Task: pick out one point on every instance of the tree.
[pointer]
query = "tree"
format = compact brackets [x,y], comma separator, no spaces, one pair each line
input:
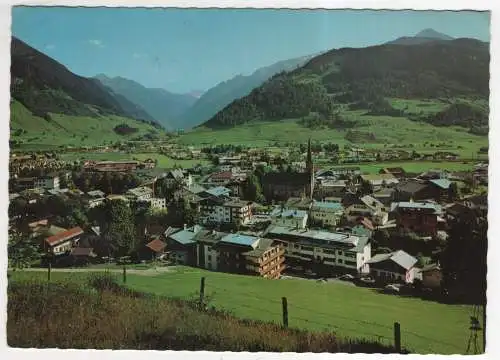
[464,261]
[366,188]
[21,251]
[118,227]
[252,190]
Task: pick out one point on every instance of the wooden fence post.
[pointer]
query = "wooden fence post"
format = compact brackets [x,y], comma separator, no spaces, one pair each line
[49,270]
[285,311]
[202,291]
[397,337]
[124,274]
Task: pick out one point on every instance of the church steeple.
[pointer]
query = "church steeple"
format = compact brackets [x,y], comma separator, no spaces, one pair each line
[309,162]
[310,170]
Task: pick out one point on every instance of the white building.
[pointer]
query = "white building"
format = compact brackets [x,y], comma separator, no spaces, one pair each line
[142,193]
[158,203]
[326,213]
[222,211]
[335,250]
[397,266]
[49,182]
[289,218]
[369,207]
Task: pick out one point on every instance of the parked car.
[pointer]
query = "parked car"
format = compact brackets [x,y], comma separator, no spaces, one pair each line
[392,288]
[346,277]
[366,280]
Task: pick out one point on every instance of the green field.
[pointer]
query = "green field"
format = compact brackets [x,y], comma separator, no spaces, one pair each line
[163,160]
[413,166]
[426,327]
[388,130]
[69,130]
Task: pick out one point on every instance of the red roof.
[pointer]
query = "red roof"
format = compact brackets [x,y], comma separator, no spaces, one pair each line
[156,245]
[63,236]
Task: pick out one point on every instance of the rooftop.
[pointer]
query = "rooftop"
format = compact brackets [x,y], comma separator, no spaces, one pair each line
[218,191]
[400,257]
[315,234]
[140,191]
[416,205]
[327,205]
[187,236]
[278,212]
[442,183]
[239,239]
[156,245]
[63,236]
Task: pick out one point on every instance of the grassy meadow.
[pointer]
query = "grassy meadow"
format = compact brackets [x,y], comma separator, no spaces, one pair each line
[69,130]
[349,311]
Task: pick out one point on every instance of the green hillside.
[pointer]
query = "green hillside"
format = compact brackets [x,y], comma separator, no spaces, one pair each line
[31,131]
[370,80]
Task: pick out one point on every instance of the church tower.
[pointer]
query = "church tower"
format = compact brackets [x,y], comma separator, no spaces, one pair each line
[310,170]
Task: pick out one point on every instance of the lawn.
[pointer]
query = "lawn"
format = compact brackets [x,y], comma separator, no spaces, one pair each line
[426,327]
[400,131]
[413,166]
[70,130]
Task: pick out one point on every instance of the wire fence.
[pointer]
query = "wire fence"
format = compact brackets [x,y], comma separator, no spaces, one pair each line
[302,317]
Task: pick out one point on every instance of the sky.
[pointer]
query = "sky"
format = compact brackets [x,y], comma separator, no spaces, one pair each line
[182,50]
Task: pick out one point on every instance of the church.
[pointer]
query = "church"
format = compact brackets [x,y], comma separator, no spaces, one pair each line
[281,186]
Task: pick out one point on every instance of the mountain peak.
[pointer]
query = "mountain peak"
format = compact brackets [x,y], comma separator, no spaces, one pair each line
[433,34]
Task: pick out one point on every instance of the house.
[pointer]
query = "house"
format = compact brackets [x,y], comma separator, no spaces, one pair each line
[245,254]
[282,186]
[82,255]
[140,194]
[48,182]
[397,266]
[176,177]
[326,213]
[115,166]
[94,198]
[479,202]
[367,206]
[219,178]
[378,181]
[207,256]
[418,217]
[397,172]
[63,241]
[181,244]
[386,196]
[433,174]
[156,248]
[289,217]
[432,276]
[415,190]
[327,252]
[216,210]
[440,189]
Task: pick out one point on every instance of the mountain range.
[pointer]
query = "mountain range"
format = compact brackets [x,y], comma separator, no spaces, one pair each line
[430,65]
[363,78]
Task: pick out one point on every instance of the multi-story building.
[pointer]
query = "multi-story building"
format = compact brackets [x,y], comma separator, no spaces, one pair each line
[326,213]
[421,218]
[239,254]
[327,252]
[142,193]
[289,217]
[181,244]
[48,182]
[215,210]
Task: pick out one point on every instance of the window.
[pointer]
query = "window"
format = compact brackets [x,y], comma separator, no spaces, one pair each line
[209,257]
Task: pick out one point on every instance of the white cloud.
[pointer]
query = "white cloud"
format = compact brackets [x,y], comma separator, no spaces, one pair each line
[97,43]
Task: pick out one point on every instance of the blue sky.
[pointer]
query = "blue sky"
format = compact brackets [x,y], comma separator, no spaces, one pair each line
[183,50]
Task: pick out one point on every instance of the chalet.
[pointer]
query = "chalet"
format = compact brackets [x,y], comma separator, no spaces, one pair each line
[414,189]
[142,193]
[397,266]
[176,177]
[289,217]
[322,250]
[479,202]
[440,189]
[63,241]
[156,248]
[367,206]
[181,244]
[421,218]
